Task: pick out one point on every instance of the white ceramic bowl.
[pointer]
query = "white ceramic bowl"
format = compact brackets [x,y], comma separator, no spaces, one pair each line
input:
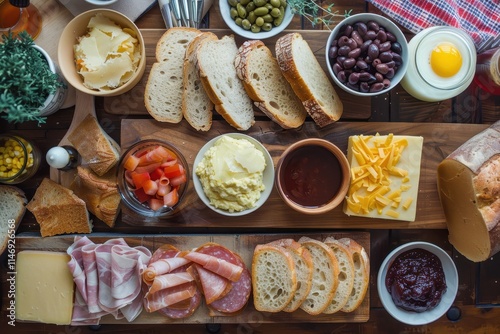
[101,2]
[226,16]
[426,317]
[389,26]
[268,175]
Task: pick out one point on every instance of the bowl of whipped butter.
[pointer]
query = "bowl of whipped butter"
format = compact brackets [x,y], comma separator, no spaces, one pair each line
[233,174]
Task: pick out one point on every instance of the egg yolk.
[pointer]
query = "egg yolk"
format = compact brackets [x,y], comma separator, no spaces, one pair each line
[446,60]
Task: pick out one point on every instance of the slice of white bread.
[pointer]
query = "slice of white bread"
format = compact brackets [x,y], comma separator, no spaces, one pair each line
[274,279]
[308,79]
[266,85]
[12,208]
[163,92]
[58,210]
[346,275]
[325,276]
[196,105]
[224,88]
[304,270]
[362,274]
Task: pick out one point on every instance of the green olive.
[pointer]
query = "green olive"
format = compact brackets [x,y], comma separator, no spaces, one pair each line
[269,6]
[242,12]
[250,7]
[275,3]
[259,21]
[267,26]
[283,3]
[279,19]
[232,3]
[251,17]
[234,13]
[275,12]
[261,11]
[268,18]
[244,2]
[259,3]
[245,24]
[238,21]
[255,28]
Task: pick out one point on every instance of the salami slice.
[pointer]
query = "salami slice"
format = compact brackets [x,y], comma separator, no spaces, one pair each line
[239,294]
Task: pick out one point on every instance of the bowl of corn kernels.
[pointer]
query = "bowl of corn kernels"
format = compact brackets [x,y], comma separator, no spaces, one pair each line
[19,159]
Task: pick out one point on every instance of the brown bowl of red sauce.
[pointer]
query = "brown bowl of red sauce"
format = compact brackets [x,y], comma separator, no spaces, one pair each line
[312,176]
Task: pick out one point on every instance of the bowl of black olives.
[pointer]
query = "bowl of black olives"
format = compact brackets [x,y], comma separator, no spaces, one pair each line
[256,19]
[366,54]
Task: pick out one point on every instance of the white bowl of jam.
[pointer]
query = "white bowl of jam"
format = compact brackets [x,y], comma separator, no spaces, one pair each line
[417,283]
[312,176]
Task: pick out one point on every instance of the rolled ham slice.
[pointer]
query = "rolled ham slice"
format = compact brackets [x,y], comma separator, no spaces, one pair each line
[166,281]
[168,297]
[162,266]
[214,286]
[217,265]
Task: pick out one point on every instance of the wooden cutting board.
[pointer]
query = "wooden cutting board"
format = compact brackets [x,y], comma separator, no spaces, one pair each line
[439,141]
[243,244]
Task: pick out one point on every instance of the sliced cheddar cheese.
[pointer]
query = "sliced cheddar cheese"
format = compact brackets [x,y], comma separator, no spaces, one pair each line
[385,172]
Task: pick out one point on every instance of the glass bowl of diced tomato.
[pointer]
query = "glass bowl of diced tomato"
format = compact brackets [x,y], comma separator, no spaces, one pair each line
[153,177]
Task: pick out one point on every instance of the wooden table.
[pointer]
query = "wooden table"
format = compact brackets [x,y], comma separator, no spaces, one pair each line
[479,292]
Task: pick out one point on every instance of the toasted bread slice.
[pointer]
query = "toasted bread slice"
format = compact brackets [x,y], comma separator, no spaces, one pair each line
[325,276]
[274,279]
[224,88]
[362,274]
[308,80]
[12,208]
[266,85]
[346,275]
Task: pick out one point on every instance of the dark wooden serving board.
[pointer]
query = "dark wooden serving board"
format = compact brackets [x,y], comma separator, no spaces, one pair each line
[439,141]
[243,244]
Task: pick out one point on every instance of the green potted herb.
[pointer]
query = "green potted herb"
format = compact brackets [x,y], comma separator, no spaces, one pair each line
[30,87]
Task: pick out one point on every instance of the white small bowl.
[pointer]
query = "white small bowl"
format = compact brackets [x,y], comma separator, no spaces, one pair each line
[426,317]
[226,16]
[268,175]
[101,2]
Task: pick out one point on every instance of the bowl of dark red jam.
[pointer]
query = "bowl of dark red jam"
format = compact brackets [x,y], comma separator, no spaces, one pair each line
[312,176]
[417,283]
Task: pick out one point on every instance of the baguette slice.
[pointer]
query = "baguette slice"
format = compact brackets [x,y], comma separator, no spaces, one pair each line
[325,276]
[308,80]
[163,92]
[303,267]
[12,208]
[266,85]
[196,105]
[274,279]
[361,274]
[346,275]
[224,88]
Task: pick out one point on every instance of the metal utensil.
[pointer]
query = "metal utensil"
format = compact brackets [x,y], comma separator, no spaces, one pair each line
[185,15]
[166,13]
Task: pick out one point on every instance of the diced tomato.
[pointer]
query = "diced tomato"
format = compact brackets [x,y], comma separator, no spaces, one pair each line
[156,174]
[158,154]
[131,163]
[173,171]
[148,168]
[177,181]
[150,187]
[169,163]
[155,204]
[171,198]
[141,195]
[139,179]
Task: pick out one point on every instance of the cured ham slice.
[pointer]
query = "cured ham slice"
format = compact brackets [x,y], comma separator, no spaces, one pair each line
[168,297]
[162,266]
[169,280]
[213,285]
[217,265]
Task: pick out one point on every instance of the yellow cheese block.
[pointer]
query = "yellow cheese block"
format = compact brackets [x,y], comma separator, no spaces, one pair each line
[385,172]
[44,287]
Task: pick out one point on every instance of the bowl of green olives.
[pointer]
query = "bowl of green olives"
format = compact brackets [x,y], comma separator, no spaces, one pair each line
[256,19]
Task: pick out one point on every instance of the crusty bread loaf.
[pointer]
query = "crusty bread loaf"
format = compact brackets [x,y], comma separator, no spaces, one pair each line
[12,208]
[266,85]
[346,275]
[361,274]
[224,88]
[325,276]
[469,189]
[303,268]
[274,279]
[97,149]
[58,210]
[163,92]
[308,80]
[196,105]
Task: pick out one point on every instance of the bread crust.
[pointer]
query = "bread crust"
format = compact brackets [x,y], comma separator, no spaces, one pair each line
[12,208]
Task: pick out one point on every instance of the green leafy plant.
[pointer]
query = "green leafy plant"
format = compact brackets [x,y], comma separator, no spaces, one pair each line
[25,79]
[315,13]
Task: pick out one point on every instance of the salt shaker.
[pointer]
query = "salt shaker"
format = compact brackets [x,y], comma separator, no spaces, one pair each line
[63,157]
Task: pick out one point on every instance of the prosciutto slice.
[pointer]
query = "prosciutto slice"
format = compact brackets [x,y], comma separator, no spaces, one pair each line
[169,280]
[162,266]
[217,265]
[213,285]
[169,297]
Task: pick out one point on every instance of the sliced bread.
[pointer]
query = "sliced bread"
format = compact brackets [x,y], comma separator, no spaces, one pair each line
[163,92]
[304,270]
[308,79]
[224,88]
[346,275]
[266,85]
[274,279]
[12,208]
[325,276]
[196,105]
[361,276]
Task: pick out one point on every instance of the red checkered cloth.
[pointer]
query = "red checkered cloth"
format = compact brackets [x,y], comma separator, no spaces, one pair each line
[479,18]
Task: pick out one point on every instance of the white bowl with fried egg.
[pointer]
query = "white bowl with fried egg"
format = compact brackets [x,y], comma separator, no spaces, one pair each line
[441,65]
[106,67]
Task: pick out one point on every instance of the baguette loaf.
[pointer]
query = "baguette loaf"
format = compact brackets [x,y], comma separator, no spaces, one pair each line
[163,92]
[308,80]
[266,85]
[196,105]
[274,279]
[12,208]
[361,274]
[325,276]
[469,189]
[224,88]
